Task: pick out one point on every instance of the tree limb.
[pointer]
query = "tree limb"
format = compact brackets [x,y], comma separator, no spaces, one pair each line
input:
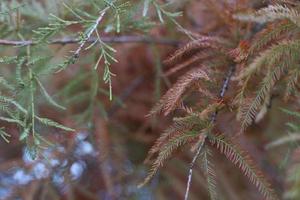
[106,39]
[212,120]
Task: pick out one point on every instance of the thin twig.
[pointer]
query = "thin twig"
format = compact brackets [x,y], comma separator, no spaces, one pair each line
[212,120]
[89,34]
[199,148]
[90,39]
[224,89]
[106,39]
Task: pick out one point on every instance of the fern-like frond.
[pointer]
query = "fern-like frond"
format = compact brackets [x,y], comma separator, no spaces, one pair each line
[277,59]
[269,34]
[271,57]
[195,58]
[210,173]
[9,100]
[292,80]
[241,159]
[264,108]
[203,42]
[173,131]
[272,13]
[166,151]
[179,127]
[42,34]
[49,122]
[47,95]
[250,109]
[12,120]
[173,96]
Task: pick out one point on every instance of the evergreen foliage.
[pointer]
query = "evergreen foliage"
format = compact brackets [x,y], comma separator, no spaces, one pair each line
[261,57]
[30,70]
[236,71]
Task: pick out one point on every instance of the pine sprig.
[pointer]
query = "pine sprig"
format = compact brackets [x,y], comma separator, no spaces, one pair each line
[249,109]
[13,102]
[271,57]
[292,81]
[49,122]
[209,171]
[172,98]
[272,13]
[179,127]
[166,151]
[270,33]
[43,34]
[202,42]
[47,96]
[241,159]
[276,64]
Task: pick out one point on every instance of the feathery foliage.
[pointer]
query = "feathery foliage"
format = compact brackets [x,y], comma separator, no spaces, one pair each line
[275,61]
[271,13]
[172,98]
[210,173]
[269,57]
[177,135]
[243,161]
[231,67]
[25,87]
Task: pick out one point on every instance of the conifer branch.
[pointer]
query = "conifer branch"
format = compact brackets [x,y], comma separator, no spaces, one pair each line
[271,13]
[199,148]
[213,119]
[209,171]
[90,32]
[172,98]
[105,39]
[243,160]
[273,60]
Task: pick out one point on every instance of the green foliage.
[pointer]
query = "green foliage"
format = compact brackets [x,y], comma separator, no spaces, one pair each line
[209,170]
[290,139]
[47,96]
[29,69]
[31,66]
[293,135]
